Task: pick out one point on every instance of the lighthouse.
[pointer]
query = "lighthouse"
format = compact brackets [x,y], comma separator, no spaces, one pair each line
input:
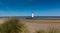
[32,14]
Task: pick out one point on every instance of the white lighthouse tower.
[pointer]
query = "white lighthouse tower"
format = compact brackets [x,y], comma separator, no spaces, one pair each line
[32,14]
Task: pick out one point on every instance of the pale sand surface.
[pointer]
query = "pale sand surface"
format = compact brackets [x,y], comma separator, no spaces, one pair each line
[36,24]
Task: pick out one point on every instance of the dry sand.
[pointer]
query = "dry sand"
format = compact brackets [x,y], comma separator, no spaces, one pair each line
[36,24]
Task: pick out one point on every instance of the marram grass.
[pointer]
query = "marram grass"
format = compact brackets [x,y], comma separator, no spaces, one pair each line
[50,30]
[12,25]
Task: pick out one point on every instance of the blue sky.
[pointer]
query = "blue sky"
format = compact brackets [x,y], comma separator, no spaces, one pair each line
[25,7]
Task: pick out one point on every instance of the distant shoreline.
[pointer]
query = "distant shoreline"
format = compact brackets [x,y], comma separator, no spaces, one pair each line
[30,16]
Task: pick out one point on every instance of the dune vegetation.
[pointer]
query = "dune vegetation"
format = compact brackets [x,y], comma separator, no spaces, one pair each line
[14,25]
[50,30]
